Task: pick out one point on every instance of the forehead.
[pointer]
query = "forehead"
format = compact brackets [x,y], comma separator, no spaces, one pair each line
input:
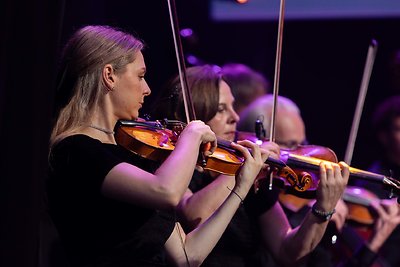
[138,62]
[290,126]
[225,93]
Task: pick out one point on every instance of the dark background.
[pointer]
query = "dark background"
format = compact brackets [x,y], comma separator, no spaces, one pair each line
[322,66]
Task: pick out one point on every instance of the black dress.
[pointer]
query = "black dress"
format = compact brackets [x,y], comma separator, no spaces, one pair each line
[240,244]
[96,230]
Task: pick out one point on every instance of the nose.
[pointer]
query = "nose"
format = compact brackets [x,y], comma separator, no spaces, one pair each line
[146,90]
[234,116]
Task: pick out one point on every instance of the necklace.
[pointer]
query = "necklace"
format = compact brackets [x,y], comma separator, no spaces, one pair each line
[101,129]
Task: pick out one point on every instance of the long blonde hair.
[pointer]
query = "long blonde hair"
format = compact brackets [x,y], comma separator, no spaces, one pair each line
[80,85]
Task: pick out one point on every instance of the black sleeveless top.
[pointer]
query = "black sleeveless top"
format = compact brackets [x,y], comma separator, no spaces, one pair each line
[95,230]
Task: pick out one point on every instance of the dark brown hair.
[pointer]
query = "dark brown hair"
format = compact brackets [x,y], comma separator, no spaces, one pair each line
[203,82]
[246,84]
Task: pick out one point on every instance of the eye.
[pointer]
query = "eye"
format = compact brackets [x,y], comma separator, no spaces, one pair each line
[141,75]
[221,108]
[288,144]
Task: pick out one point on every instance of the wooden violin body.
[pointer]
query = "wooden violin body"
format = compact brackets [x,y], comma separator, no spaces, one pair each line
[147,140]
[358,202]
[154,141]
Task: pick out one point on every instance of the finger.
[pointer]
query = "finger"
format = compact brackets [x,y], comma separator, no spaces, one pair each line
[345,171]
[265,154]
[379,209]
[390,206]
[210,144]
[213,145]
[273,148]
[206,147]
[255,149]
[248,143]
[337,172]
[341,222]
[243,150]
[322,173]
[329,170]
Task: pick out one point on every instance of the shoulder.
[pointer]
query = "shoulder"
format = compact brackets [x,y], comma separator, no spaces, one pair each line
[81,150]
[79,145]
[76,140]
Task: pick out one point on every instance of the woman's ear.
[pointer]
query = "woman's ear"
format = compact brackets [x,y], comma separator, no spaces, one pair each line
[108,76]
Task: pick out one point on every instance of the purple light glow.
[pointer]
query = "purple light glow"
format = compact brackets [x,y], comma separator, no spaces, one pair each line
[186,32]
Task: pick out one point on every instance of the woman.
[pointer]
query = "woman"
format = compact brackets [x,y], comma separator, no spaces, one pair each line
[260,223]
[110,207]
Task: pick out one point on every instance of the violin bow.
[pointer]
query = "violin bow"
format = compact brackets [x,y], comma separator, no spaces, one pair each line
[187,97]
[276,77]
[369,63]
[180,58]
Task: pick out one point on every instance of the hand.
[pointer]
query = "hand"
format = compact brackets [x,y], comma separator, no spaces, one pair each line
[272,149]
[339,217]
[254,161]
[333,180]
[388,211]
[207,137]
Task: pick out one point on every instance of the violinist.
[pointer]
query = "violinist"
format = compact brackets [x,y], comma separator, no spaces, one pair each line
[290,133]
[110,206]
[260,224]
[386,127]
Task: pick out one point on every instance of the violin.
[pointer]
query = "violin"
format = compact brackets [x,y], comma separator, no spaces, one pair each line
[156,140]
[305,161]
[358,202]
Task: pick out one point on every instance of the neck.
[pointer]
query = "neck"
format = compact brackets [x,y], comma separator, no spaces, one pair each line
[101,129]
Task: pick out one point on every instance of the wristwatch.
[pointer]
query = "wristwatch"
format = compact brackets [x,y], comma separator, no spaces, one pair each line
[323,215]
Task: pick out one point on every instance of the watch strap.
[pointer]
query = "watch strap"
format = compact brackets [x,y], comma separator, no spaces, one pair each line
[323,215]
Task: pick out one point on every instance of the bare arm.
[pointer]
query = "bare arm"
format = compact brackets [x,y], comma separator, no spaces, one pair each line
[290,245]
[199,243]
[166,186]
[194,209]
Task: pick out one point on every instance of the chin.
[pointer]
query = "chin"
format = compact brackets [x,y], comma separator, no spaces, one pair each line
[134,116]
[229,137]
